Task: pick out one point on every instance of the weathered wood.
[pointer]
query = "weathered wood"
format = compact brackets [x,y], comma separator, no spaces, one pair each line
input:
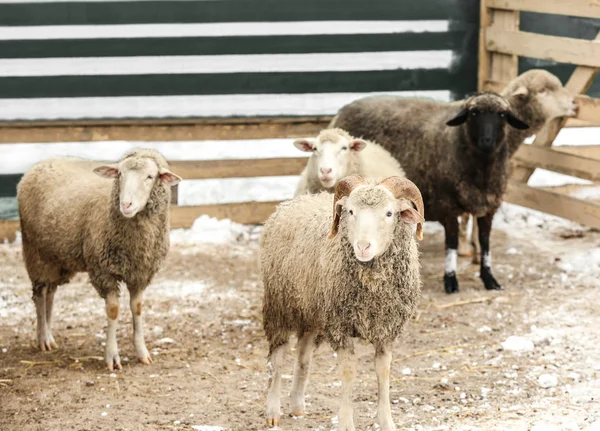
[203,169]
[161,130]
[483,72]
[586,213]
[582,8]
[591,192]
[588,151]
[579,83]
[175,194]
[556,161]
[554,48]
[245,213]
[504,67]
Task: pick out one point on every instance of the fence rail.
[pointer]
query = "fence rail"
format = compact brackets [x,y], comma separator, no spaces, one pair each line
[500,46]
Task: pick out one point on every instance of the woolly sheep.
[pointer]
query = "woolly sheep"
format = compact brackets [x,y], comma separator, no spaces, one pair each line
[336,154]
[464,167]
[72,220]
[363,281]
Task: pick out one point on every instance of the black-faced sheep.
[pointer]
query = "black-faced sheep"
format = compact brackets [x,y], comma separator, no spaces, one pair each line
[463,168]
[336,154]
[363,281]
[72,220]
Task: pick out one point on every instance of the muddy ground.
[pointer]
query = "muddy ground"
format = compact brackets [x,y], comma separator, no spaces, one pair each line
[203,320]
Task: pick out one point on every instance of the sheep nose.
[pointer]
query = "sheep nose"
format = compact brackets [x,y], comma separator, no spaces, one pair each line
[126,205]
[363,246]
[325,171]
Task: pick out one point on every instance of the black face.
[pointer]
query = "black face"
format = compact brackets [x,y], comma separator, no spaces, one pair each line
[486,129]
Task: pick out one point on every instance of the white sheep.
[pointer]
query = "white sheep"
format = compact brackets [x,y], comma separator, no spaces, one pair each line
[72,220]
[361,281]
[336,154]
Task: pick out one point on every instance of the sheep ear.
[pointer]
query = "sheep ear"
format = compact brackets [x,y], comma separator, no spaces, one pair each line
[168,177]
[459,119]
[515,122]
[521,92]
[107,171]
[358,145]
[411,215]
[303,145]
[337,214]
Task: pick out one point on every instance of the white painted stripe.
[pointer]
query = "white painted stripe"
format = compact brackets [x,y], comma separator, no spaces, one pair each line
[451,259]
[18,158]
[220,29]
[335,62]
[189,106]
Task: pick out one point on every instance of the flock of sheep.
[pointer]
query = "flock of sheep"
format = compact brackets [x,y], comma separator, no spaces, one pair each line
[338,261]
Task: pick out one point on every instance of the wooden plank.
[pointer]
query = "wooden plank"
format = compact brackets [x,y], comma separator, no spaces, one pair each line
[281,44]
[588,151]
[554,48]
[589,192]
[162,130]
[504,67]
[209,11]
[564,163]
[579,83]
[226,83]
[483,72]
[586,213]
[583,8]
[205,169]
[245,213]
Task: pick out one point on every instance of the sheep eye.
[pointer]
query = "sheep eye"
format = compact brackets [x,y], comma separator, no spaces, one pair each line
[351,212]
[389,214]
[344,148]
[150,177]
[473,112]
[503,115]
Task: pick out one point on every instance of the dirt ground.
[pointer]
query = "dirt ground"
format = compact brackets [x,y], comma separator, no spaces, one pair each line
[204,329]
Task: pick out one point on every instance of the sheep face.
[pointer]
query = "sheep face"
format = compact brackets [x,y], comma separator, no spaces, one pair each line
[544,89]
[371,216]
[136,178]
[331,155]
[486,117]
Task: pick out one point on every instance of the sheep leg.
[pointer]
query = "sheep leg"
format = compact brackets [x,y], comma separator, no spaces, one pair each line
[40,293]
[135,304]
[464,245]
[383,361]
[306,347]
[485,227]
[111,353]
[348,368]
[475,242]
[273,396]
[49,305]
[451,229]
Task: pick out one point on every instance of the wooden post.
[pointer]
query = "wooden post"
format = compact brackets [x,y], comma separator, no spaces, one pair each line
[483,72]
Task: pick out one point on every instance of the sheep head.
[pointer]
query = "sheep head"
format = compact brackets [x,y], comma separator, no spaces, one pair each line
[486,116]
[331,155]
[373,210]
[136,177]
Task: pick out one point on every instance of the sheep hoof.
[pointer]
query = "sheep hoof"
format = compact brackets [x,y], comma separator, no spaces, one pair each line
[147,360]
[272,422]
[114,366]
[297,413]
[450,283]
[48,346]
[488,279]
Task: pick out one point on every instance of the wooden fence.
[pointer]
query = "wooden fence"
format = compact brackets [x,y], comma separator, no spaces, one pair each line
[106,94]
[501,43]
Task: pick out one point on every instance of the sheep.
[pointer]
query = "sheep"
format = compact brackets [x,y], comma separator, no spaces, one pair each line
[362,280]
[336,154]
[463,168]
[73,219]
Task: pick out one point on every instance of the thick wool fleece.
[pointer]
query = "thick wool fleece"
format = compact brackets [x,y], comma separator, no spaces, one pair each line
[439,159]
[70,222]
[371,162]
[315,284]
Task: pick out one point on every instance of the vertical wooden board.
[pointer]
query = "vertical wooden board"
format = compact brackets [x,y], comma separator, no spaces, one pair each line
[504,67]
[483,73]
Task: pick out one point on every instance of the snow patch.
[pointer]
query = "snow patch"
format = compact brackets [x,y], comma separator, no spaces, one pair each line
[548,381]
[517,344]
[209,230]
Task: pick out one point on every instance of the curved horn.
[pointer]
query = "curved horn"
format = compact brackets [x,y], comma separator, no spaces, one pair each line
[343,188]
[404,188]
